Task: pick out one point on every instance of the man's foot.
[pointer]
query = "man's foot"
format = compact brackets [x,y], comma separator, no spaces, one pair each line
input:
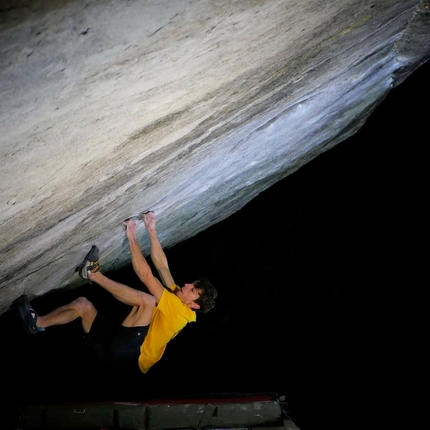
[90,264]
[28,315]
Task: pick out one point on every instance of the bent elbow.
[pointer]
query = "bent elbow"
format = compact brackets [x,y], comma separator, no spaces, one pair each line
[145,276]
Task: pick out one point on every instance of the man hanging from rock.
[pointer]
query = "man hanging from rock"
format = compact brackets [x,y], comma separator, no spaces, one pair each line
[154,319]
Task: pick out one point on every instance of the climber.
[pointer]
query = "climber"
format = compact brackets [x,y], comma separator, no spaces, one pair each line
[155,318]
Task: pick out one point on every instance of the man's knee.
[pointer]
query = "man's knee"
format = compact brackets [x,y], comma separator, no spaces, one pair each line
[86,311]
[83,305]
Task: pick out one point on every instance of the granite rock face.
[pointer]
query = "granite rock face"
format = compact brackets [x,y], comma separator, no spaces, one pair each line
[189,108]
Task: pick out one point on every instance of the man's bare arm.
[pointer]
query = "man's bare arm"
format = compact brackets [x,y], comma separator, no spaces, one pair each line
[140,265]
[157,254]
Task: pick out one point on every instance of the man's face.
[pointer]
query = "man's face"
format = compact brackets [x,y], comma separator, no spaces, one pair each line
[188,295]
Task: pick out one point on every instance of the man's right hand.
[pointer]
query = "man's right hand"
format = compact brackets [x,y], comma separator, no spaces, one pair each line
[149,220]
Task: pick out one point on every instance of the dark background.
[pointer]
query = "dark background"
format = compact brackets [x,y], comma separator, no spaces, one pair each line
[314,279]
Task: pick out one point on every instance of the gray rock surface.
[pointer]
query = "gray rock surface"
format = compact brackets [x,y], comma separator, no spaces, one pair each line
[189,108]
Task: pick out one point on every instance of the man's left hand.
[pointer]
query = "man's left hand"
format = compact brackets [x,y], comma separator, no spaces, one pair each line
[131,228]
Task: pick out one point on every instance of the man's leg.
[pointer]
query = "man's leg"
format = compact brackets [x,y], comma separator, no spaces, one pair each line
[143,303]
[81,307]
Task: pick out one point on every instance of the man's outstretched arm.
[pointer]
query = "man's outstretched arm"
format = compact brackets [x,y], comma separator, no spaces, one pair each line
[157,254]
[140,265]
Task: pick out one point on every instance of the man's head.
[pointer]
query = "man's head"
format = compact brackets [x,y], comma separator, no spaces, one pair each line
[199,296]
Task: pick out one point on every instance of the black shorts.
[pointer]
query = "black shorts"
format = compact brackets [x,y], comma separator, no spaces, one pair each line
[115,344]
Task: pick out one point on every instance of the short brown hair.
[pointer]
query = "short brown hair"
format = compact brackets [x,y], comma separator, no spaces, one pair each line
[208,295]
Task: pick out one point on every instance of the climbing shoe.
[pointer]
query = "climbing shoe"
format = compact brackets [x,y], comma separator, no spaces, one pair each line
[28,315]
[90,264]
